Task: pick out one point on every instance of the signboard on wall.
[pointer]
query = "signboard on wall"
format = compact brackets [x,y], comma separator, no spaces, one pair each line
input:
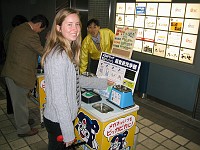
[167,30]
[118,69]
[124,42]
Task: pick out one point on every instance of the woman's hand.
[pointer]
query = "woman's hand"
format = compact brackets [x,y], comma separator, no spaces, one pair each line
[69,143]
[110,83]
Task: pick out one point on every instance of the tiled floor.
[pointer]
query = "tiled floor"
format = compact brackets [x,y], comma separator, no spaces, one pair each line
[158,130]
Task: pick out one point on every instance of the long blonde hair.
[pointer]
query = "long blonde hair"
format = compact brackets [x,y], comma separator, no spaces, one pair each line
[56,38]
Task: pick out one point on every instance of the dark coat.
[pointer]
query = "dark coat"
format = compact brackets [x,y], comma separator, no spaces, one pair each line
[23,50]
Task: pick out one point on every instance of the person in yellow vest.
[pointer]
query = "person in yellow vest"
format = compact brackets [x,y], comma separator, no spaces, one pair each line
[98,40]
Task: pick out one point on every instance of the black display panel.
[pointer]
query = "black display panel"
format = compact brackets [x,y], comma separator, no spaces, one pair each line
[129,74]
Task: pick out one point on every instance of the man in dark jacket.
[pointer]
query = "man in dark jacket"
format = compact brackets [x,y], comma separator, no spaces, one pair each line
[17,20]
[20,69]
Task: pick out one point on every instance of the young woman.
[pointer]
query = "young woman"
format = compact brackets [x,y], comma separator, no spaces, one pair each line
[62,79]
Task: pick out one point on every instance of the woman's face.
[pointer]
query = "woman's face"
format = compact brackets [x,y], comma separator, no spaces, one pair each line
[70,27]
[93,29]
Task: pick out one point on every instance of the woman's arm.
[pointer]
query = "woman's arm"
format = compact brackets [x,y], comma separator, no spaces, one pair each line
[94,82]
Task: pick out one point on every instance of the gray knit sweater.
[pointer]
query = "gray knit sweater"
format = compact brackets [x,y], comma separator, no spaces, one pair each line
[60,88]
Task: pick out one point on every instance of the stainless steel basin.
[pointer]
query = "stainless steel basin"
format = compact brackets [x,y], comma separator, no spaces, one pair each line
[102,107]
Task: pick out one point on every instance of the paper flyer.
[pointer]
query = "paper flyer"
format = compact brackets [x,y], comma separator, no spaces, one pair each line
[124,42]
[119,70]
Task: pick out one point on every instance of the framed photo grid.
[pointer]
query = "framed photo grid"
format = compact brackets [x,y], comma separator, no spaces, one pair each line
[167,30]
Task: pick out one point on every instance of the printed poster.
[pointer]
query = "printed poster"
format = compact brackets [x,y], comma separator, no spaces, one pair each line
[162,23]
[139,21]
[124,42]
[191,26]
[130,8]
[120,70]
[148,47]
[151,9]
[193,11]
[161,37]
[150,22]
[189,41]
[129,20]
[164,9]
[172,52]
[140,8]
[120,8]
[176,24]
[159,50]
[149,35]
[119,19]
[140,34]
[138,46]
[178,10]
[186,55]
[174,39]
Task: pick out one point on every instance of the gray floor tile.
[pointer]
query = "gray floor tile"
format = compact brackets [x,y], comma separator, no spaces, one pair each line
[182,148]
[39,146]
[3,117]
[146,122]
[12,136]
[12,120]
[156,127]
[43,134]
[147,131]
[192,146]
[2,140]
[2,101]
[5,147]
[1,112]
[20,143]
[158,137]
[167,133]
[32,139]
[189,133]
[180,140]
[4,93]
[10,116]
[160,147]
[140,125]
[139,117]
[5,123]
[141,147]
[170,144]
[46,141]
[8,129]
[149,143]
[141,137]
[182,125]
[25,148]
[3,106]
[1,95]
